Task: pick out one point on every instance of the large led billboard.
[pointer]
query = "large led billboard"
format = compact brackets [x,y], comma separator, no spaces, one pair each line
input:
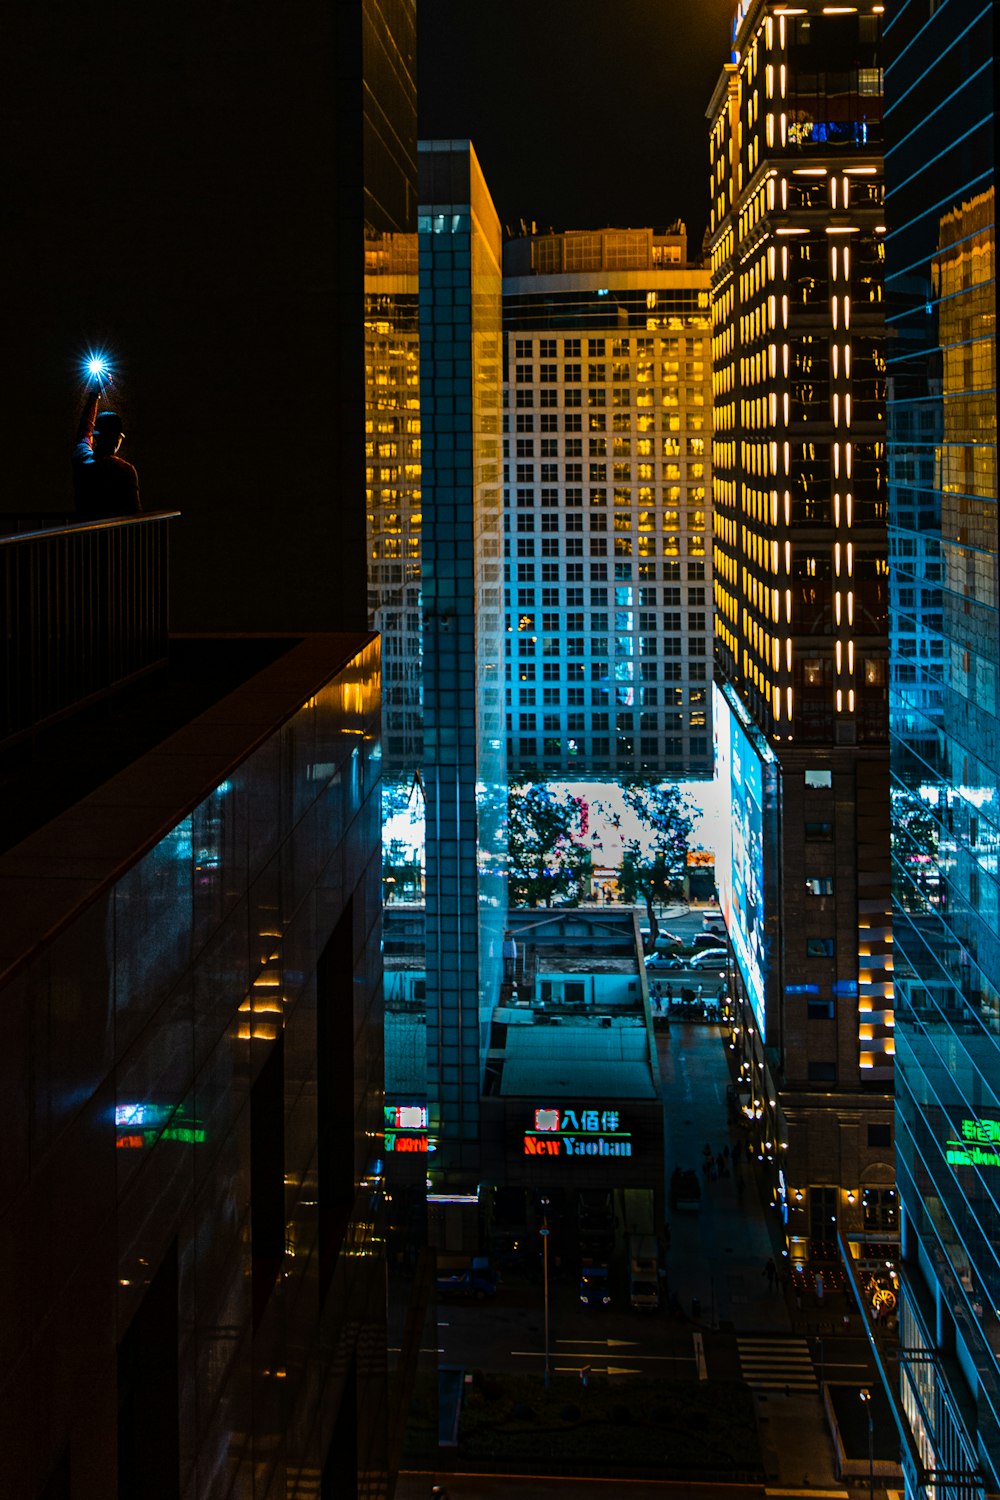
[740,865]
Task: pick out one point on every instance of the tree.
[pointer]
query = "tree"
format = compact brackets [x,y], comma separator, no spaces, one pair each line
[546,861]
[653,866]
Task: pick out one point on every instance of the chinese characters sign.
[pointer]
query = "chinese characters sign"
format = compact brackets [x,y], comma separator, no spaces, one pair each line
[979,1145]
[581,1131]
[406,1129]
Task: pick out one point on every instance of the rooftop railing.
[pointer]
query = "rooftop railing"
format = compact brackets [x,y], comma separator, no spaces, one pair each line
[84,611]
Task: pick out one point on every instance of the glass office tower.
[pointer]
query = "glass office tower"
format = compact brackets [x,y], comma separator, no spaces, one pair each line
[464,770]
[940,186]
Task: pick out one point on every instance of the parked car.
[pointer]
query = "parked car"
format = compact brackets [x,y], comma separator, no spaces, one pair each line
[595,1289]
[478,1279]
[710,958]
[663,961]
[705,940]
[664,940]
[712,922]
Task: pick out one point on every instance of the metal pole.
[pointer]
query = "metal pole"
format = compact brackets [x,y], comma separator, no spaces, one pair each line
[866,1397]
[545,1278]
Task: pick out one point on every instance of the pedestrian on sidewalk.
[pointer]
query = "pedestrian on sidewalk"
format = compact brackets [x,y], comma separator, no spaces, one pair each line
[771,1272]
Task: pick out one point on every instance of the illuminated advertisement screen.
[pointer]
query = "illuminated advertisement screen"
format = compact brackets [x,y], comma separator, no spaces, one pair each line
[740,869]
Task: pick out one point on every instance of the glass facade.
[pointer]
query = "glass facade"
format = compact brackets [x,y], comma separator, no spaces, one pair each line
[941,291]
[192,1108]
[463,770]
[608,538]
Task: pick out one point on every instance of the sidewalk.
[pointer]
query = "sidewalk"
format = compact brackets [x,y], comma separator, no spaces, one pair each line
[718,1255]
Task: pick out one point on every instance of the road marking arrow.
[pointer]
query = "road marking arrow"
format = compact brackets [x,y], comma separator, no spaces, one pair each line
[595,1370]
[608,1343]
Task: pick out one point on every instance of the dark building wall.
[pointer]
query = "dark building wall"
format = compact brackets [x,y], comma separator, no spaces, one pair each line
[180,1274]
[184,186]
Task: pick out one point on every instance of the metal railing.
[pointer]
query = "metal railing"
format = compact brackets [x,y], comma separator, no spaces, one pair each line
[84,611]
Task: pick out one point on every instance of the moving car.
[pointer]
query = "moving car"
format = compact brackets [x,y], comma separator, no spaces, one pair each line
[709,958]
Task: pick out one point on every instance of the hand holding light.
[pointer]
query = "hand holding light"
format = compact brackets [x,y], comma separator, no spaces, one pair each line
[97,370]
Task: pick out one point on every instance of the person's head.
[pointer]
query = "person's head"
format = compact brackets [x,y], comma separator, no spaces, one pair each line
[107,434]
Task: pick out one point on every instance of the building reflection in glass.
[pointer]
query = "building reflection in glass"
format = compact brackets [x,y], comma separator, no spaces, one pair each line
[946,752]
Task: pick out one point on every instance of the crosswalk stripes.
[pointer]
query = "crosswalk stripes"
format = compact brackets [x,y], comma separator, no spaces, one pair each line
[771,1364]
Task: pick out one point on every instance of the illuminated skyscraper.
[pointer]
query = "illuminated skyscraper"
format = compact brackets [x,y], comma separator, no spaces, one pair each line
[608,529]
[797,241]
[392,443]
[944,711]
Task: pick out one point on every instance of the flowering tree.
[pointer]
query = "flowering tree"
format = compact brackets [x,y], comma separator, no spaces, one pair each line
[546,861]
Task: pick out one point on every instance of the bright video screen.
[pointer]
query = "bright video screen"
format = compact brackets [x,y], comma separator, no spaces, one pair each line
[741,860]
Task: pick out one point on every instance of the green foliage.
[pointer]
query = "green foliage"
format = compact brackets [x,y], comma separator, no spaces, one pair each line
[547,863]
[654,865]
[915,836]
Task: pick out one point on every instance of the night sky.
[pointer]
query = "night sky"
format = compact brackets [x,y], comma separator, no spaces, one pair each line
[583,113]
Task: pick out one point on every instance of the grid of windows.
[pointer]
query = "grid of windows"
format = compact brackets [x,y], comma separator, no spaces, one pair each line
[629,499]
[393,488]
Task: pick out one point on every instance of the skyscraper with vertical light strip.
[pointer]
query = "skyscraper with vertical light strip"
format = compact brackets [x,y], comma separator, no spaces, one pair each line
[800,584]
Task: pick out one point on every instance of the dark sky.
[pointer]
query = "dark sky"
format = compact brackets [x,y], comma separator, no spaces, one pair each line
[583,113]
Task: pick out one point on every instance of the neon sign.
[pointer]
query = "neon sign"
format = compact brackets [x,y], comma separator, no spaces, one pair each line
[587,1131]
[406,1129]
[979,1145]
[140,1125]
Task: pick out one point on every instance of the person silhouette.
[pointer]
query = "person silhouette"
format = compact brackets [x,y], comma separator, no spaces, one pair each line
[104,485]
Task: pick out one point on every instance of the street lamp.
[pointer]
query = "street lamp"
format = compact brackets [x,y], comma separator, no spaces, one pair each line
[866,1397]
[545,1278]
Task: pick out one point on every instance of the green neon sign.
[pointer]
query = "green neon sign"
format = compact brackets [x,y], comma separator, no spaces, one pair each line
[979,1145]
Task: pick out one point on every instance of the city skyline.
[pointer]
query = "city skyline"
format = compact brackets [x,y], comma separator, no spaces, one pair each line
[272,1101]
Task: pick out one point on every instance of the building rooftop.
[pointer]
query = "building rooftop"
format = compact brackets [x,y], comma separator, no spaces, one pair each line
[46,773]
